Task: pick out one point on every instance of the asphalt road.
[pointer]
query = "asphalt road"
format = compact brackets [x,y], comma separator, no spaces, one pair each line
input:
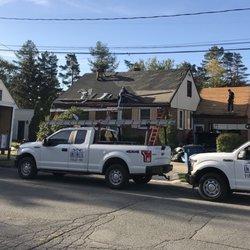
[81,212]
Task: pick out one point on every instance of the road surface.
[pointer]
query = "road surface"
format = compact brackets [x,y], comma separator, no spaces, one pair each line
[81,212]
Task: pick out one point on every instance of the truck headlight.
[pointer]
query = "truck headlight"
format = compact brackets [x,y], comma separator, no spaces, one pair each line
[192,162]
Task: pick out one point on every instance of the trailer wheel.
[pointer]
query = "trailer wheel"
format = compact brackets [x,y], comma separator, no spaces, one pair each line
[27,168]
[142,179]
[116,176]
[213,187]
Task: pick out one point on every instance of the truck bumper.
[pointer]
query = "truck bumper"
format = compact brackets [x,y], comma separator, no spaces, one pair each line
[191,179]
[158,170]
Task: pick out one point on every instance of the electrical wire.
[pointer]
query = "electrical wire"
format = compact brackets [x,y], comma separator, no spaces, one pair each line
[127,18]
[142,47]
[139,53]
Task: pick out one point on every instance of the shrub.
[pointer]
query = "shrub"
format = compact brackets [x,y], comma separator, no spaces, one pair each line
[45,130]
[171,136]
[227,142]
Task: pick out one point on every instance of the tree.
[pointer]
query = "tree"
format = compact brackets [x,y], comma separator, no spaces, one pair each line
[235,69]
[70,71]
[7,72]
[25,83]
[150,64]
[213,67]
[103,61]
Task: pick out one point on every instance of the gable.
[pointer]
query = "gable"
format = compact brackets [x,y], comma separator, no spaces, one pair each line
[181,100]
[6,97]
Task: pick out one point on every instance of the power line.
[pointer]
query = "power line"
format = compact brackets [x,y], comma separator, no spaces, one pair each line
[142,46]
[140,53]
[127,18]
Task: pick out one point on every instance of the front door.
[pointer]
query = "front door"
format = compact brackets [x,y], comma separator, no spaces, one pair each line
[243,169]
[78,159]
[20,130]
[56,154]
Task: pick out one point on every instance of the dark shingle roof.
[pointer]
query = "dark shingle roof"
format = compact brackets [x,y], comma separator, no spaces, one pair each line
[133,81]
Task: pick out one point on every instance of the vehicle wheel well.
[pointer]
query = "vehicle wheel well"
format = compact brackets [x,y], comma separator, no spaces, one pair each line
[26,155]
[114,160]
[211,170]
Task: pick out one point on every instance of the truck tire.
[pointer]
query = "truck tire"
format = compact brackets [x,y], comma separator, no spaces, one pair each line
[116,176]
[27,168]
[142,179]
[213,187]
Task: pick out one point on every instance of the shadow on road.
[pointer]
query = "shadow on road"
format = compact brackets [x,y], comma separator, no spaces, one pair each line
[167,199]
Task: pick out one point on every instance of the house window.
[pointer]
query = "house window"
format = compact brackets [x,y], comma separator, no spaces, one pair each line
[189,88]
[113,115]
[180,119]
[1,95]
[145,114]
[100,115]
[84,115]
[127,114]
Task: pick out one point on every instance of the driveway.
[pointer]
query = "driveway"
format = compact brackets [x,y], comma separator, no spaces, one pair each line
[81,212]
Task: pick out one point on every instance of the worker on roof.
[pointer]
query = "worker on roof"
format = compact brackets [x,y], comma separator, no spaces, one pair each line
[230,105]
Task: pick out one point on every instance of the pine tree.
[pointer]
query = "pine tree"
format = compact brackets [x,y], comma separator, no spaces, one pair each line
[70,71]
[213,67]
[49,86]
[7,72]
[235,69]
[25,84]
[103,61]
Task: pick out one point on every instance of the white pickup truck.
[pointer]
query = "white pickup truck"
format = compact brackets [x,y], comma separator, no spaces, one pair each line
[91,151]
[218,174]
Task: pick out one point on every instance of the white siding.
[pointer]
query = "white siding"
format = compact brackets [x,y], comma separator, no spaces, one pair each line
[6,97]
[181,100]
[22,115]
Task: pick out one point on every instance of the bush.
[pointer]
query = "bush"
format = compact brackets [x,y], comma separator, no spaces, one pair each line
[227,142]
[45,130]
[171,136]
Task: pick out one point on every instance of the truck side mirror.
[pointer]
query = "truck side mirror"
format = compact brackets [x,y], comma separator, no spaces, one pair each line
[242,155]
[45,142]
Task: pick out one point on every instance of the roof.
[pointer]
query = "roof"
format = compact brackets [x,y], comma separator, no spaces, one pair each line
[152,86]
[214,101]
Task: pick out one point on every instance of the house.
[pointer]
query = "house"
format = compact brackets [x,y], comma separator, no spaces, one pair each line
[14,122]
[212,117]
[22,119]
[7,108]
[147,92]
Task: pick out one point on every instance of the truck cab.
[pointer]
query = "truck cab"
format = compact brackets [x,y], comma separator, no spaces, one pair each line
[218,174]
[87,150]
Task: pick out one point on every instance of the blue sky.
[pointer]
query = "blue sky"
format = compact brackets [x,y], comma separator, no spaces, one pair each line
[124,33]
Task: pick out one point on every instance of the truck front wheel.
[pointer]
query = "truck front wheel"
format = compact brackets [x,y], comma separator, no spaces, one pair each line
[142,179]
[213,187]
[27,168]
[116,176]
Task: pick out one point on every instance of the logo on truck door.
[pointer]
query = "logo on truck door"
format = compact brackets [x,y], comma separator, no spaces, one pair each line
[76,154]
[247,170]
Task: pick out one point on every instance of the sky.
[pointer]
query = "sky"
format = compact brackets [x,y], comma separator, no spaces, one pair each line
[169,31]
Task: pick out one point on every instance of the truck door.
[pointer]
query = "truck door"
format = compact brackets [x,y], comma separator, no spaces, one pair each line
[55,155]
[78,159]
[243,169]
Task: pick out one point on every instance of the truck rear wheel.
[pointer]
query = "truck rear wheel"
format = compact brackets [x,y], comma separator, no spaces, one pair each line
[142,179]
[213,187]
[116,176]
[27,168]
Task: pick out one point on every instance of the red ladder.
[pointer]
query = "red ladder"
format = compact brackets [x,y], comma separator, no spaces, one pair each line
[155,130]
